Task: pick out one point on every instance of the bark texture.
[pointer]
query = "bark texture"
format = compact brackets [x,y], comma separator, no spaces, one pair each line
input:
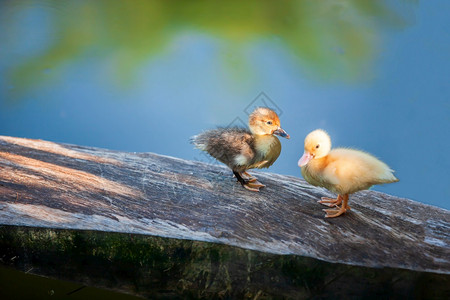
[154,225]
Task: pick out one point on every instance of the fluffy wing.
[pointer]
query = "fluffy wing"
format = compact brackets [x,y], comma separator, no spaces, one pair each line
[231,146]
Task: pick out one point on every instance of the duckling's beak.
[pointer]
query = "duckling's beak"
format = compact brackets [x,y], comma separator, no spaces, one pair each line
[281,133]
[306,157]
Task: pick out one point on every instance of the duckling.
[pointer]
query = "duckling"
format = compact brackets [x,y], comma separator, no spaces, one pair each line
[243,149]
[341,171]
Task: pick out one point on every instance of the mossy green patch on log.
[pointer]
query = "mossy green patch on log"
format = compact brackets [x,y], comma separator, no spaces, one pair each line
[152,267]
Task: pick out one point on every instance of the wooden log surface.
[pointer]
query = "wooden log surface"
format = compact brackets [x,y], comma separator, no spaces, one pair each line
[67,187]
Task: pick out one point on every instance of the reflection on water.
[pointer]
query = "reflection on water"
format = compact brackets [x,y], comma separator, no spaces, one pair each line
[147,75]
[335,38]
[18,285]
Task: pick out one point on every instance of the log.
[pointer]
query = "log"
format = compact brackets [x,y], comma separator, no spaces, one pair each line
[158,226]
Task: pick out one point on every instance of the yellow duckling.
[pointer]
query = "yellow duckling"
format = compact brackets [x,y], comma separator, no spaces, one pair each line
[342,171]
[242,149]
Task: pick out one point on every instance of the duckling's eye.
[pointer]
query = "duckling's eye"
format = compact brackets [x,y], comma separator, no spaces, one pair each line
[317,146]
[269,122]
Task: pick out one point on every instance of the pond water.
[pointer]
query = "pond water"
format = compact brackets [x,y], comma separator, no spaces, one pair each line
[144,76]
[20,285]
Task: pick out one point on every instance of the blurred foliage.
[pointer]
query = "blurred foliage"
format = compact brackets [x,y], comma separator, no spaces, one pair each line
[334,38]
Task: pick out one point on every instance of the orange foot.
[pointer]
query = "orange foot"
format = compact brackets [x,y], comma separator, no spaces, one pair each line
[253,186]
[332,213]
[330,202]
[248,177]
[250,184]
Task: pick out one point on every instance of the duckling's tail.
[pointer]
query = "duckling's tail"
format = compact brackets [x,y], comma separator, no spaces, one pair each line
[199,142]
[389,177]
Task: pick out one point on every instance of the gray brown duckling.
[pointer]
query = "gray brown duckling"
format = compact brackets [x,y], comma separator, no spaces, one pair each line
[242,149]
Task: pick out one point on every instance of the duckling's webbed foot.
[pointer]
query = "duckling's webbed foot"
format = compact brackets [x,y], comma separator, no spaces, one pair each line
[330,202]
[248,176]
[250,184]
[255,184]
[332,213]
